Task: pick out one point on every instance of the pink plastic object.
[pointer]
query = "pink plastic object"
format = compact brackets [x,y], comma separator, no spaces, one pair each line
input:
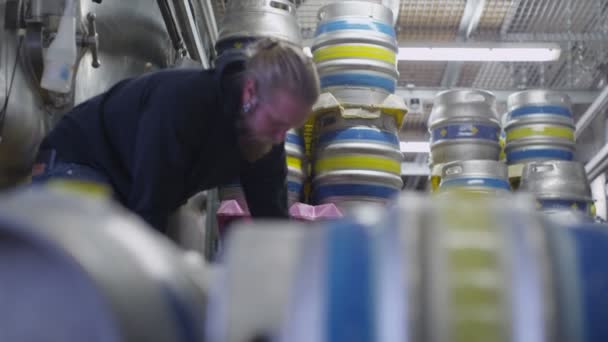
[229,212]
[306,212]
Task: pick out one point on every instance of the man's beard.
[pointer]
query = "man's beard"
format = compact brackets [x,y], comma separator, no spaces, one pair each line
[251,148]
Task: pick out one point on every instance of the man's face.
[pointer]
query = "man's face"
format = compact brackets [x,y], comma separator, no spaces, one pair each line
[269,119]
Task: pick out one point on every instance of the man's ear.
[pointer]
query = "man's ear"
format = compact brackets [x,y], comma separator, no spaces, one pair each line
[249,95]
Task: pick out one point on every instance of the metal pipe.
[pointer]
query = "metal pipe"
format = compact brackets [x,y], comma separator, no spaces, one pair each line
[205,8]
[189,31]
[176,39]
[594,109]
[597,164]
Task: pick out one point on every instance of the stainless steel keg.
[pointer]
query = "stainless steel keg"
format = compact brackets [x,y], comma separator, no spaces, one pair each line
[356,159]
[83,269]
[355,46]
[464,125]
[246,20]
[297,167]
[539,127]
[475,175]
[558,183]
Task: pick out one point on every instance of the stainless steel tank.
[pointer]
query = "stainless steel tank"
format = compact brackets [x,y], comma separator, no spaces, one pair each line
[540,126]
[83,269]
[355,46]
[464,125]
[355,160]
[24,120]
[247,20]
[487,176]
[558,183]
[133,40]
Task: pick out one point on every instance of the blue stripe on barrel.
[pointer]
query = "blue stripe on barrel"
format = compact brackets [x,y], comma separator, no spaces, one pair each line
[294,187]
[359,80]
[466,131]
[494,183]
[558,203]
[592,250]
[534,153]
[295,139]
[360,134]
[531,110]
[365,190]
[355,24]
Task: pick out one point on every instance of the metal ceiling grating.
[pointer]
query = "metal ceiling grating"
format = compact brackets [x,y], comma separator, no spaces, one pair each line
[421,74]
[468,74]
[492,18]
[551,16]
[436,20]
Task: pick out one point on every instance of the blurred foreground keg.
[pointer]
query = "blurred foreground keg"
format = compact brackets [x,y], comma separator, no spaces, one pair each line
[76,268]
[558,184]
[464,125]
[356,153]
[248,20]
[447,268]
[540,126]
[483,176]
[355,46]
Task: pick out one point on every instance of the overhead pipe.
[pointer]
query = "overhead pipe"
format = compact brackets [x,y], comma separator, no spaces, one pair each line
[176,38]
[189,31]
[594,109]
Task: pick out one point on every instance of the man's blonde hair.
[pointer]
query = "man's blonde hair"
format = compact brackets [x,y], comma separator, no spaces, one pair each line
[275,65]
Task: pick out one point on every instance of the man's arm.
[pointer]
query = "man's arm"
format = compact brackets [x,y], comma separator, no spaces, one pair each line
[265,184]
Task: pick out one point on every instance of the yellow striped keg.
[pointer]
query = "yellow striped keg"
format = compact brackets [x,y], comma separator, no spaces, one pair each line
[540,127]
[355,46]
[464,125]
[356,159]
[297,168]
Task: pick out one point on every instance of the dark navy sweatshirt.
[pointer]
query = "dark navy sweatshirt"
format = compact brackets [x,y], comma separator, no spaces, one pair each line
[164,136]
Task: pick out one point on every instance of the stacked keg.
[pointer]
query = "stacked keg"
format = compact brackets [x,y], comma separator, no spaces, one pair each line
[539,127]
[558,185]
[465,130]
[355,150]
[245,22]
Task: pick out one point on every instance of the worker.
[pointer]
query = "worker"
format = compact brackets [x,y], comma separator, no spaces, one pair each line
[158,139]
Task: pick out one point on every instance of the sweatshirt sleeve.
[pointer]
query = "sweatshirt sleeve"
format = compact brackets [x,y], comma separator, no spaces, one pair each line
[265,184]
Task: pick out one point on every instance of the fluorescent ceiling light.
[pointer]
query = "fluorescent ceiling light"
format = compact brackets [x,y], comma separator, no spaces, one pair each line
[415,146]
[480,52]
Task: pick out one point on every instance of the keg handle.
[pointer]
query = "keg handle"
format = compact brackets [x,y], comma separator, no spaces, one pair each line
[476,97]
[288,7]
[542,168]
[453,170]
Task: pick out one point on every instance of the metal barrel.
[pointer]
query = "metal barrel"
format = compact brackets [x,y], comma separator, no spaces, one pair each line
[355,159]
[297,167]
[558,184]
[464,125]
[475,175]
[540,127]
[83,269]
[355,46]
[247,20]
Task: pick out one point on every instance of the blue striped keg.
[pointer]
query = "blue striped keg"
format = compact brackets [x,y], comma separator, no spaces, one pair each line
[77,268]
[355,46]
[297,167]
[481,176]
[464,125]
[355,159]
[540,127]
[558,184]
